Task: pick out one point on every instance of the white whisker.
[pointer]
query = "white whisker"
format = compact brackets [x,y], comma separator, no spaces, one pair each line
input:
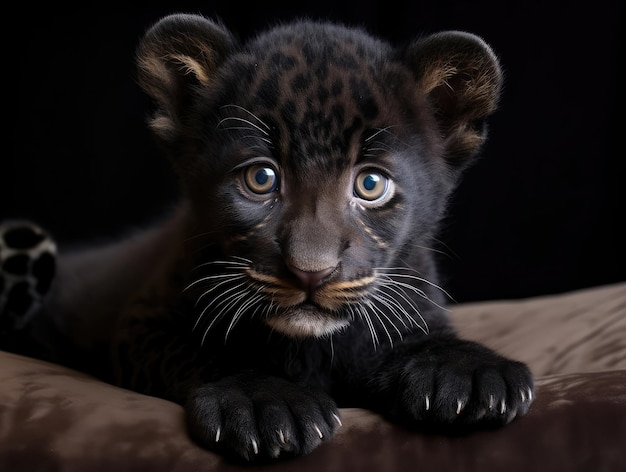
[376,311]
[381,297]
[421,279]
[267,140]
[381,130]
[390,285]
[365,316]
[237,316]
[414,289]
[237,264]
[232,105]
[232,300]
[243,120]
[220,302]
[228,278]
[383,148]
[386,272]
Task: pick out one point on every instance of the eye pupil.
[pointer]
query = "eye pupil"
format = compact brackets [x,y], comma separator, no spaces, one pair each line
[370,182]
[262,176]
[260,179]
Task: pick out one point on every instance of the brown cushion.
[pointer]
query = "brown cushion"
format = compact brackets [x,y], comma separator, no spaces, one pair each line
[56,419]
[582,331]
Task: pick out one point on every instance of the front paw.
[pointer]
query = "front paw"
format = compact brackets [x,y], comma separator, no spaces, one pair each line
[255,417]
[27,268]
[458,385]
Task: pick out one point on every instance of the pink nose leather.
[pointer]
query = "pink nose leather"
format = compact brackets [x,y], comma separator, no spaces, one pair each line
[310,280]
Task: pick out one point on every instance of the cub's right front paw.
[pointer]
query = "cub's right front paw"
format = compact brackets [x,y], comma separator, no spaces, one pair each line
[256,417]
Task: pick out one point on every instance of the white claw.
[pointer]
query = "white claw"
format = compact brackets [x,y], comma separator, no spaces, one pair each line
[530,394]
[492,402]
[459,407]
[319,433]
[523,395]
[255,447]
[218,434]
[337,419]
[502,407]
[427,403]
[281,436]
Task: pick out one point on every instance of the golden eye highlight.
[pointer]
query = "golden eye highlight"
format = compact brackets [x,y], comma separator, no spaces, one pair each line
[260,179]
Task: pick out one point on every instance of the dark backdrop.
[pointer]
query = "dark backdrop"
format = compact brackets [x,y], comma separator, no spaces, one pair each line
[542,212]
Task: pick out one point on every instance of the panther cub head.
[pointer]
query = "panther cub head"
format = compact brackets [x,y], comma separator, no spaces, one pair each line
[317,161]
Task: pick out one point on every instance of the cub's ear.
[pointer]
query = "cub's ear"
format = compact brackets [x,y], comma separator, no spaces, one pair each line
[461,76]
[176,57]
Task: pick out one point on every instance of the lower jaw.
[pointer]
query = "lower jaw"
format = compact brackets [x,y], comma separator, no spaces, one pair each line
[304,322]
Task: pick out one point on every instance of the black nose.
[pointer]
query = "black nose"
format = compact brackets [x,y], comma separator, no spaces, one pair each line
[309,281]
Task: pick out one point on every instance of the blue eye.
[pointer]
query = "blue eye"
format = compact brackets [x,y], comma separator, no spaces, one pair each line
[371,186]
[260,179]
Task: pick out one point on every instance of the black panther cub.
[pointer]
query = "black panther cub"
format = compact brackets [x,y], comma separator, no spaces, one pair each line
[295,275]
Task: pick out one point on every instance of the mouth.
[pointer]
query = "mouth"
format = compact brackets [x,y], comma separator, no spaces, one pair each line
[306,320]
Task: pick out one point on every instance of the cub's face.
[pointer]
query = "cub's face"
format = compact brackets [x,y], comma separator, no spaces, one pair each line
[316,165]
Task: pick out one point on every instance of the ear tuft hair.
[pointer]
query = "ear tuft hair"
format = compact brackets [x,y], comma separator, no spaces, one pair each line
[176,56]
[461,76]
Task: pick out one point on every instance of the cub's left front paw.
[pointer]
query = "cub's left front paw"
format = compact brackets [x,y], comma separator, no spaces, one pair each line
[460,385]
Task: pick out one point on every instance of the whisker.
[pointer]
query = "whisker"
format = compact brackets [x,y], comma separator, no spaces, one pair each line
[390,284]
[414,307]
[267,140]
[364,315]
[448,248]
[228,277]
[232,105]
[376,309]
[381,322]
[393,306]
[221,302]
[240,311]
[421,279]
[419,292]
[381,130]
[199,235]
[233,300]
[382,147]
[243,120]
[244,263]
[385,272]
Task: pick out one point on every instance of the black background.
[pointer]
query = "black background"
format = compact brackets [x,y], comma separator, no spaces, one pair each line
[542,212]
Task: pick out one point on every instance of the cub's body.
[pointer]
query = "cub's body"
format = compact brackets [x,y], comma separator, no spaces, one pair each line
[297,274]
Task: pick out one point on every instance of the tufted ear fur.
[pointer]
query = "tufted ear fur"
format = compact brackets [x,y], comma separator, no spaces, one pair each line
[176,56]
[461,76]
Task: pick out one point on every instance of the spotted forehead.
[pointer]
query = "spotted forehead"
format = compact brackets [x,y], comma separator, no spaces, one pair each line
[318,90]
[318,74]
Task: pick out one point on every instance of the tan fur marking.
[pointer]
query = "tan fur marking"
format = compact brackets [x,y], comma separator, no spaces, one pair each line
[352,284]
[267,278]
[158,72]
[438,73]
[478,85]
[330,296]
[334,294]
[191,66]
[379,241]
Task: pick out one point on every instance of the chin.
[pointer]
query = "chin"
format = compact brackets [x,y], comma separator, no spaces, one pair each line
[306,322]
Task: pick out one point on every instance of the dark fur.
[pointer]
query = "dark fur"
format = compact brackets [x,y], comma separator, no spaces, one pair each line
[299,316]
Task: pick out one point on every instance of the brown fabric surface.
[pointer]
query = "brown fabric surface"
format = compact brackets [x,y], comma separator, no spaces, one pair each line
[56,419]
[582,331]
